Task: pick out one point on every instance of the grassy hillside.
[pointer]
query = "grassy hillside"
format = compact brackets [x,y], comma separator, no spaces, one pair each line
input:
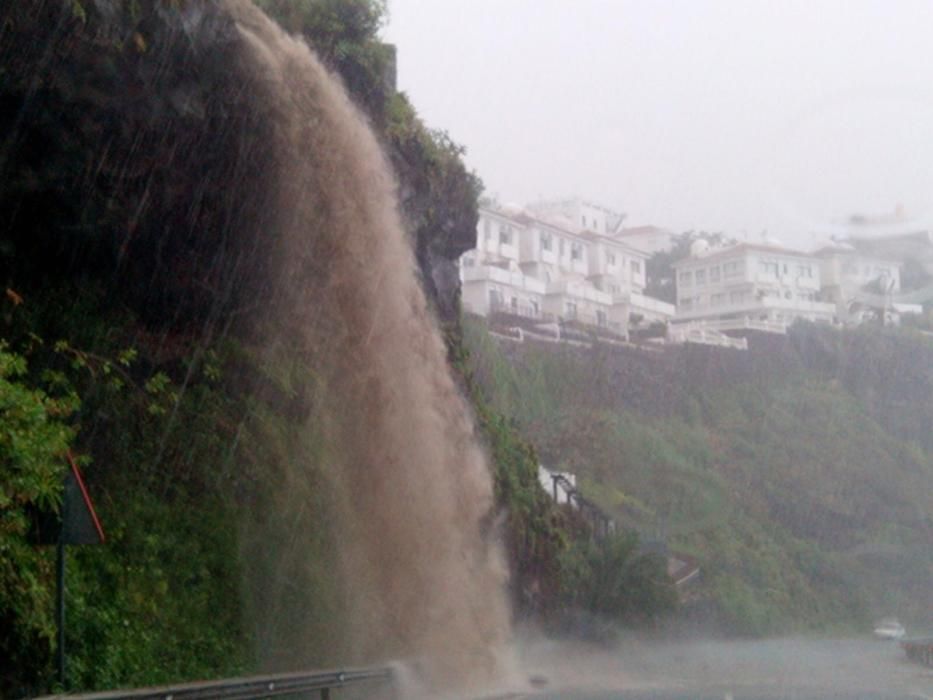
[799,473]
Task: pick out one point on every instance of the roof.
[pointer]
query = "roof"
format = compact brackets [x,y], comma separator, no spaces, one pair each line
[643,231]
[741,249]
[848,250]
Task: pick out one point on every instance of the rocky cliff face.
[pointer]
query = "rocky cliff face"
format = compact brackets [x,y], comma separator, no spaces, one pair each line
[127,148]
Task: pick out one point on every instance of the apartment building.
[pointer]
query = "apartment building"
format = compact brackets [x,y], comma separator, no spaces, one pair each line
[648,239]
[542,270]
[749,286]
[577,214]
[867,287]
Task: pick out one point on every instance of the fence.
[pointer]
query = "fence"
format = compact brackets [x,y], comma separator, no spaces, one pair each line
[601,524]
[284,684]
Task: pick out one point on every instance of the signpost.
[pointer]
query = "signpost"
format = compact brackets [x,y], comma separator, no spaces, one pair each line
[77,524]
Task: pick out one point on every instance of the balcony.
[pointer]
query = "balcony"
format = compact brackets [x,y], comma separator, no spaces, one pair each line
[815,310]
[519,310]
[493,273]
[649,306]
[579,290]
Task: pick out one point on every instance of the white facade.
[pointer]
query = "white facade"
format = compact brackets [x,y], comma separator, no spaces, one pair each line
[576,214]
[750,283]
[864,287]
[648,239]
[539,270]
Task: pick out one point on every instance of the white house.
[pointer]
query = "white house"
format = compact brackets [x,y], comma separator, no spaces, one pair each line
[749,286]
[648,239]
[859,284]
[538,269]
[576,214]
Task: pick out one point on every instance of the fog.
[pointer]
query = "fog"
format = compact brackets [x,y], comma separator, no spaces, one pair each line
[787,667]
[740,117]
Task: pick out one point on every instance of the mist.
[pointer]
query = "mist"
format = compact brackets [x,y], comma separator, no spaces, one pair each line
[716,116]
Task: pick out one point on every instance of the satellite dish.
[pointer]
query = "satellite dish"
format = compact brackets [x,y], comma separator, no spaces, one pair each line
[699,248]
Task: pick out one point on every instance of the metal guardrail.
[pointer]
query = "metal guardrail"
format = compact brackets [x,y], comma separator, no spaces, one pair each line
[247,688]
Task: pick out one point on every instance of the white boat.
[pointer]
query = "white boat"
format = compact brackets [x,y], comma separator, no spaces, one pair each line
[889,628]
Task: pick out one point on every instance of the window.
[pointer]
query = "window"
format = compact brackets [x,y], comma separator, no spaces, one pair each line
[611,258]
[535,308]
[514,302]
[505,235]
[769,269]
[601,319]
[546,241]
[685,278]
[487,229]
[686,304]
[468,261]
[636,267]
[732,269]
[717,299]
[736,297]
[560,242]
[714,275]
[495,299]
[571,308]
[576,251]
[584,222]
[701,276]
[805,271]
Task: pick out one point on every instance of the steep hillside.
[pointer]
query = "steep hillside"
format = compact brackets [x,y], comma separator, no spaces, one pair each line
[800,473]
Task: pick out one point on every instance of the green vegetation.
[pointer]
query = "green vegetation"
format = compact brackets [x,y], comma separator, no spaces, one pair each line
[34,435]
[798,473]
[561,575]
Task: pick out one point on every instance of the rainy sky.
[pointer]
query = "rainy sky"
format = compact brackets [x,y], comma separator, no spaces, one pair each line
[722,115]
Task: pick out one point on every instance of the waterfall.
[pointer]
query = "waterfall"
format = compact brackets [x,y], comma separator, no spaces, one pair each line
[423,574]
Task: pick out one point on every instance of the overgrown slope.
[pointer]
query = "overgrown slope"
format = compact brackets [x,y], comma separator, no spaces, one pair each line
[799,473]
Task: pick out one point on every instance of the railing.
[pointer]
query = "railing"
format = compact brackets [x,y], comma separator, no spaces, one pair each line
[253,687]
[705,336]
[512,278]
[640,303]
[813,310]
[740,324]
[602,524]
[522,310]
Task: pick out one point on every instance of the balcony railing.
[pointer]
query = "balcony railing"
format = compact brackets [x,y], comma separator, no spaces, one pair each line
[492,273]
[523,310]
[639,302]
[703,335]
[816,309]
[579,290]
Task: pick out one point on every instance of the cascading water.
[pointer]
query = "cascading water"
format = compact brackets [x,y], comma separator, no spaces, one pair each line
[425,579]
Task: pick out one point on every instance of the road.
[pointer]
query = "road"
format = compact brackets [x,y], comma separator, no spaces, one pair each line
[714,670]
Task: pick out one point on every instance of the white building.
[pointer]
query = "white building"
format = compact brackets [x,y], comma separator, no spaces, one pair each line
[540,270]
[859,284]
[576,214]
[749,286]
[648,239]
